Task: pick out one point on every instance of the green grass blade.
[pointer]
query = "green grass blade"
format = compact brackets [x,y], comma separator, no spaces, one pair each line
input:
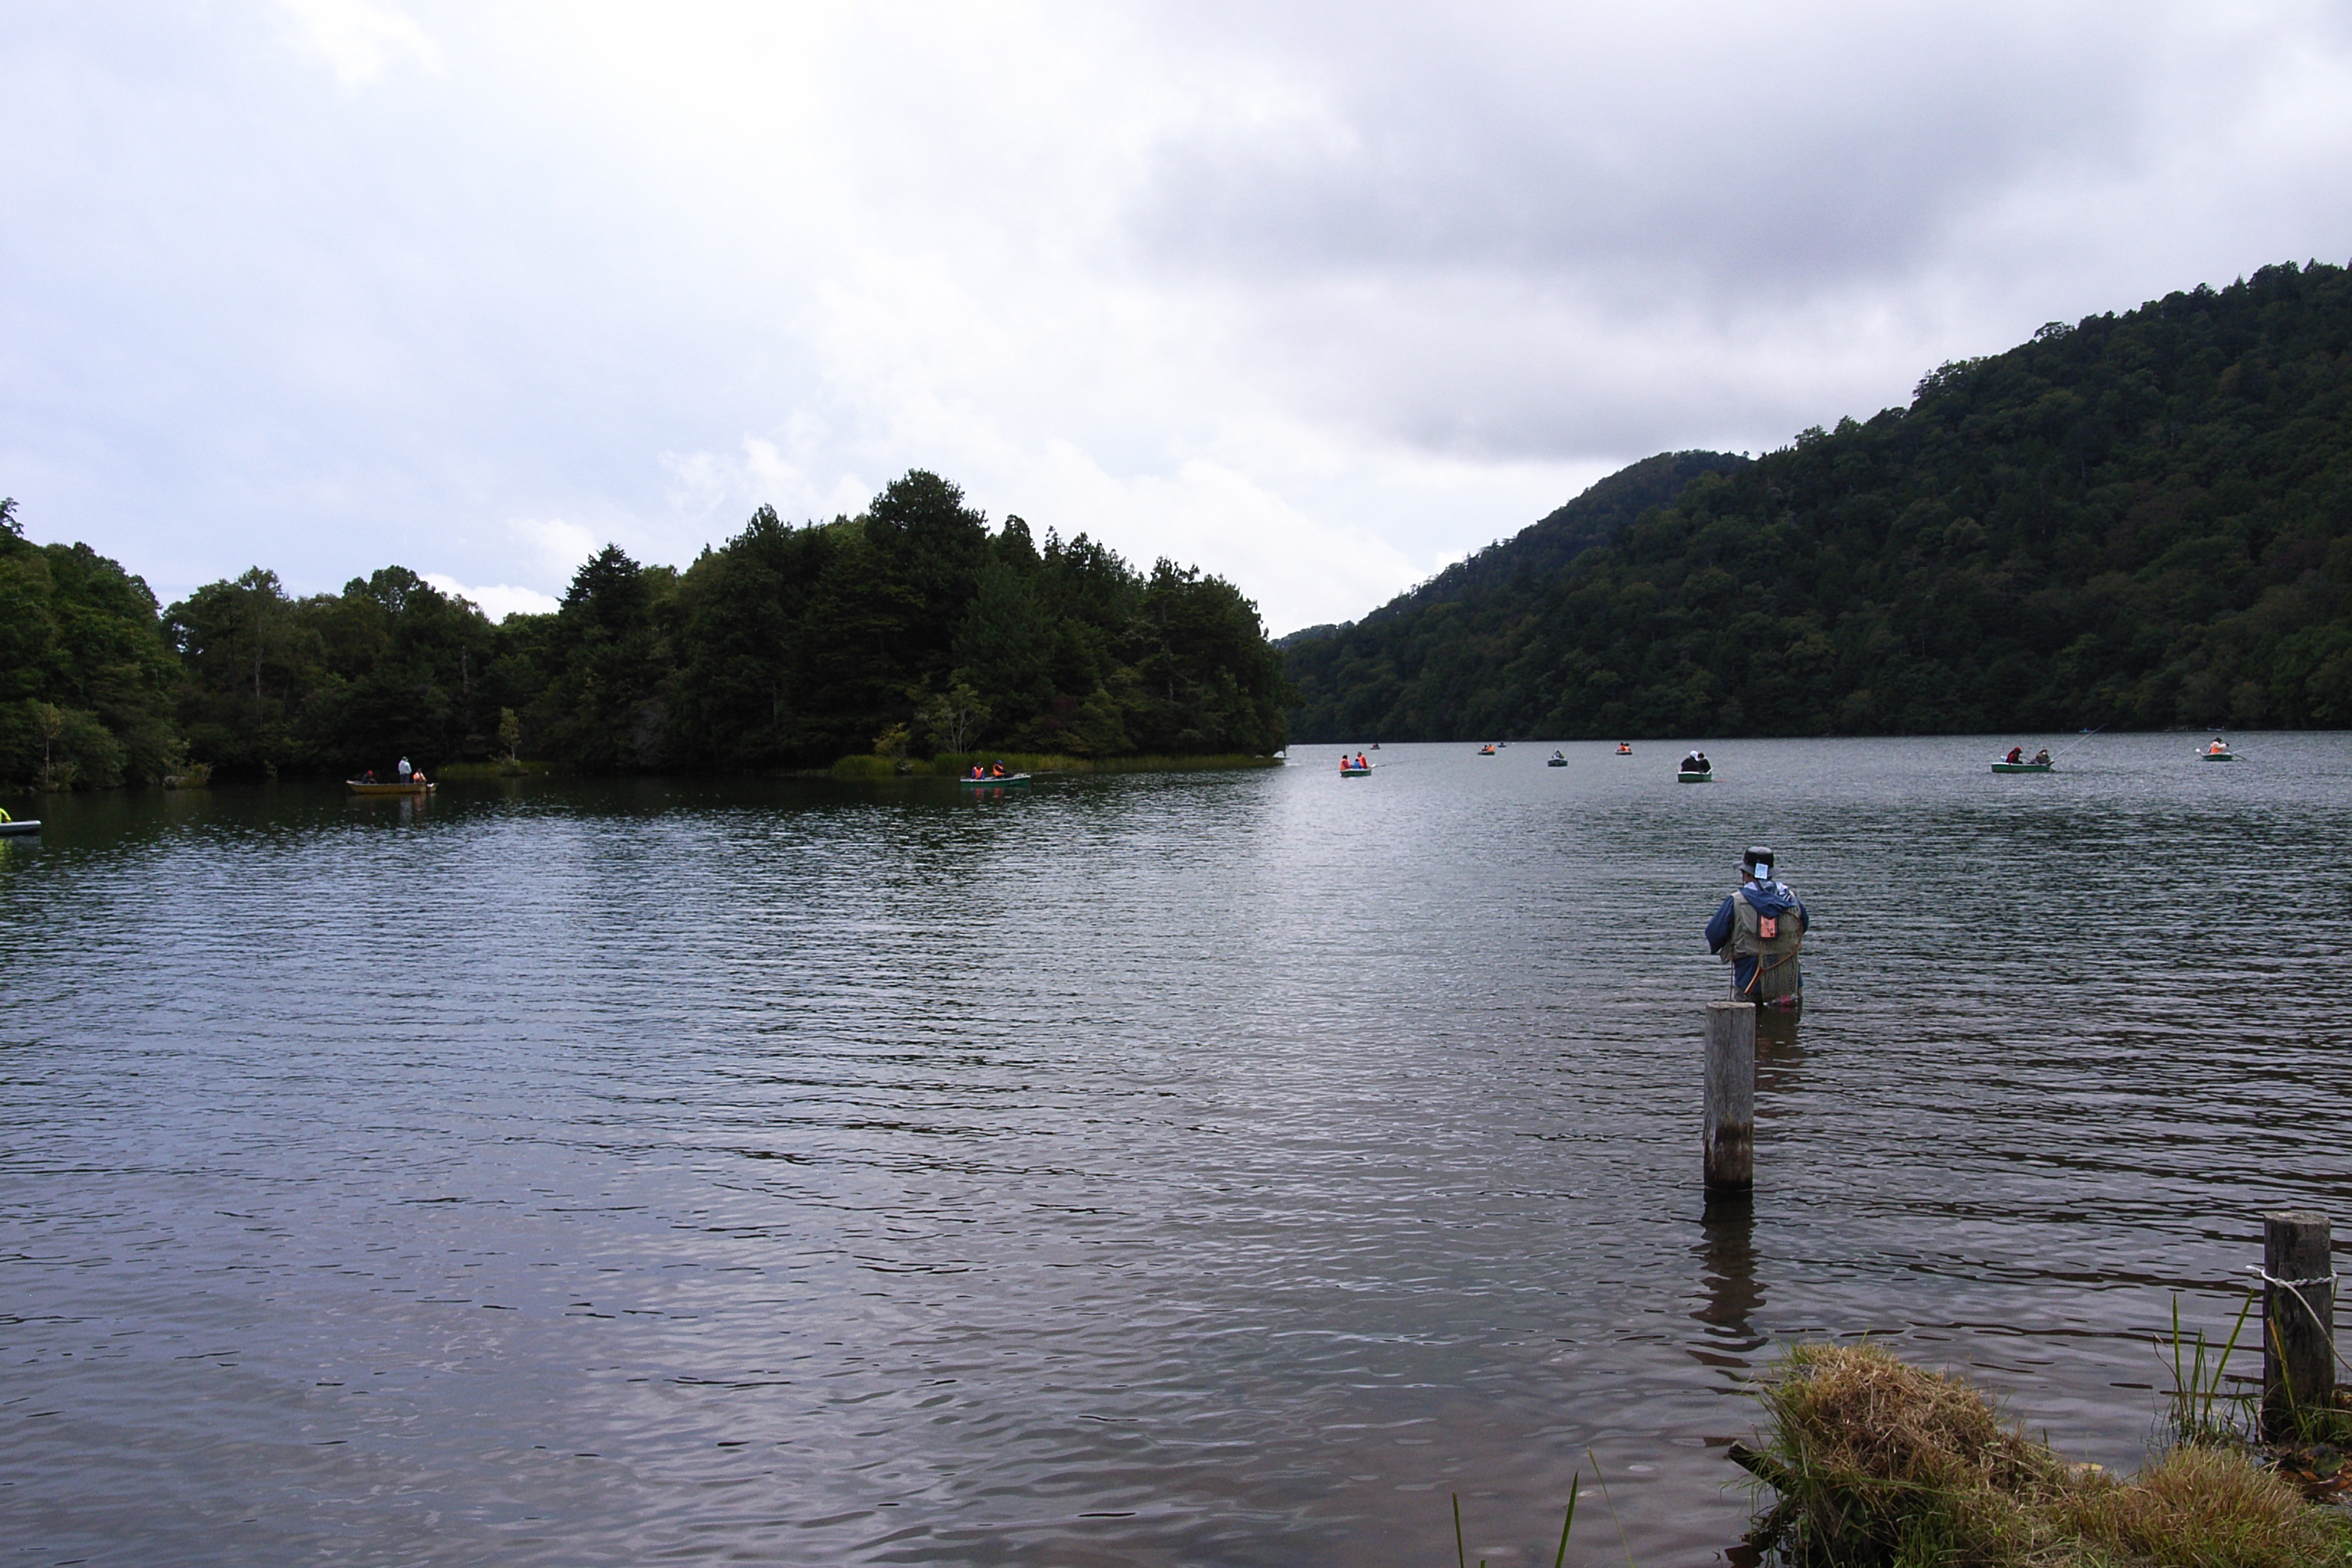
[1569,1523]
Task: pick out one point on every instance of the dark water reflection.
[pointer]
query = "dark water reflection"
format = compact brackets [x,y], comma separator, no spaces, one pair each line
[1194,1169]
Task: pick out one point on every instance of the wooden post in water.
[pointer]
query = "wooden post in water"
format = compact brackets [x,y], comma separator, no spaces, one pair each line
[2298,1321]
[1730,1096]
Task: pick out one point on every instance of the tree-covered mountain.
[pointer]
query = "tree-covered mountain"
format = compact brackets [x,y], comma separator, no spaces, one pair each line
[911,628]
[2139,520]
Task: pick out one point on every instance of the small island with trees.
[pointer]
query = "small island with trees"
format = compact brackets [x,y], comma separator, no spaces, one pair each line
[911,633]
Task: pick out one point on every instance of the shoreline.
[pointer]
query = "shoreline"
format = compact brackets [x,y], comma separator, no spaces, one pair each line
[955,764]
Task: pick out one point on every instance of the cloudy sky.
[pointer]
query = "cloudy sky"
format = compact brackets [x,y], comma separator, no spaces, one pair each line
[1317,296]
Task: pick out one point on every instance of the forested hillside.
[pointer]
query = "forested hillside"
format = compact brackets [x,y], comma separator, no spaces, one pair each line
[911,628]
[1551,541]
[2139,520]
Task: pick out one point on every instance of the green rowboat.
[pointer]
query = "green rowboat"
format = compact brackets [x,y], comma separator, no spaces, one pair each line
[2022,767]
[1695,778]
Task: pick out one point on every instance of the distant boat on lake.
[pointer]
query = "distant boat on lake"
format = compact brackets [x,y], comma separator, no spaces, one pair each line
[359,786]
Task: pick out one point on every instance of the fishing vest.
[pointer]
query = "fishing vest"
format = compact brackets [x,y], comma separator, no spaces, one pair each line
[1748,938]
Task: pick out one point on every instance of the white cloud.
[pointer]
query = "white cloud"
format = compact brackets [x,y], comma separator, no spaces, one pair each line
[558,548]
[725,487]
[360,39]
[497,600]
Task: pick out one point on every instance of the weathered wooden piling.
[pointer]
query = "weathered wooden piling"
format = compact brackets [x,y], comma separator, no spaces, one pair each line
[2298,1322]
[1730,1096]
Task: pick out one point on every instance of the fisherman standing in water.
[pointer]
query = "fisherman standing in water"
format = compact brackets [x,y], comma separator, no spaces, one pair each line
[1757,930]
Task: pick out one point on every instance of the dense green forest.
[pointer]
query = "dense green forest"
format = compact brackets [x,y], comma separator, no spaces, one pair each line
[2141,520]
[909,629]
[87,686]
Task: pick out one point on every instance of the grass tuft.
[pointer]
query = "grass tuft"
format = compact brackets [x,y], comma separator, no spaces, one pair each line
[2201,1507]
[1878,1464]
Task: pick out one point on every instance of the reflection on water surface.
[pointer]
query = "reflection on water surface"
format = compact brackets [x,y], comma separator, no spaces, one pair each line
[1153,1169]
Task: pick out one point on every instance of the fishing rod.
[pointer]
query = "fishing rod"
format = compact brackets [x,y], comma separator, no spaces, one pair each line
[2074,743]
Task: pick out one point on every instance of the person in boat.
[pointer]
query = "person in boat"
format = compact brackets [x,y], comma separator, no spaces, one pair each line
[1757,930]
[404,770]
[2041,758]
[417,777]
[1362,764]
[997,772]
[1697,762]
[1557,756]
[2219,748]
[2016,755]
[978,772]
[368,777]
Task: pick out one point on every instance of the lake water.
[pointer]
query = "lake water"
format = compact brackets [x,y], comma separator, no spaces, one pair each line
[1215,1168]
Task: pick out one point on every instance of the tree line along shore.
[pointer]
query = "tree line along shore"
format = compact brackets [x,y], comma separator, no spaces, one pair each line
[913,629]
[2139,520]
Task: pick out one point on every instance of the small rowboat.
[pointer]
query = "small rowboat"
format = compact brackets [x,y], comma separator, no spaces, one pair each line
[1695,778]
[2218,756]
[1354,773]
[1485,750]
[997,783]
[1624,751]
[9,829]
[395,787]
[2022,767]
[1555,761]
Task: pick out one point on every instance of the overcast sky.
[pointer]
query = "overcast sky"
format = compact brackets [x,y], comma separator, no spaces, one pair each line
[1319,297]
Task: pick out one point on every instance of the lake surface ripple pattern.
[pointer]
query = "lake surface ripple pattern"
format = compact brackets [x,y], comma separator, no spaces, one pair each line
[1215,1168]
